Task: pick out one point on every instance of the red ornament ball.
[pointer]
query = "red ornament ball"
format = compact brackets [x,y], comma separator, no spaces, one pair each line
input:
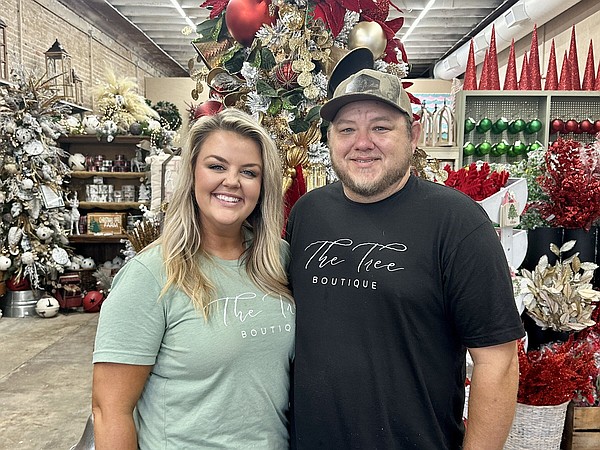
[208,108]
[245,17]
[557,125]
[93,301]
[571,126]
[285,76]
[586,126]
[18,285]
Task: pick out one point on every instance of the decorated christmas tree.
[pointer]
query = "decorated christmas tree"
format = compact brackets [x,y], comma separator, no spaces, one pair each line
[32,192]
[274,59]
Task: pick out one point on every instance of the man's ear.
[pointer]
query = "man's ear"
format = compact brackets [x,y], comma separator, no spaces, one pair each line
[415,130]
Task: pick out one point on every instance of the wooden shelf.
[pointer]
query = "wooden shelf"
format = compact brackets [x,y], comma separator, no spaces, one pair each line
[120,175]
[96,239]
[110,206]
[92,138]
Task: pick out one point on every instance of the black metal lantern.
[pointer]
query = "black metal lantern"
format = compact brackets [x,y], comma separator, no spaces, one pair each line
[59,71]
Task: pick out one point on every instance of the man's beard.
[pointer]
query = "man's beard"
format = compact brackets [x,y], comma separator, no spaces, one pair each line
[372,188]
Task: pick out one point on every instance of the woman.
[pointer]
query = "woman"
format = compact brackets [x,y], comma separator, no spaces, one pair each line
[195,339]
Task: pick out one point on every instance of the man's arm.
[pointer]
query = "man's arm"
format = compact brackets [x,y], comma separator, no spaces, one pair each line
[492,396]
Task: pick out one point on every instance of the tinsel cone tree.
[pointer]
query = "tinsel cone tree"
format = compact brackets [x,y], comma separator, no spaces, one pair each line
[552,72]
[493,77]
[574,62]
[510,80]
[565,83]
[533,65]
[470,83]
[484,79]
[32,194]
[524,80]
[589,76]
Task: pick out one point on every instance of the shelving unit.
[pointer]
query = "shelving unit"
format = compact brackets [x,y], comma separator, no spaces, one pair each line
[103,247]
[526,105]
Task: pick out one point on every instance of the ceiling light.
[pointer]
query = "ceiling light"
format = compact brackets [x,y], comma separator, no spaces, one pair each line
[416,22]
[183,14]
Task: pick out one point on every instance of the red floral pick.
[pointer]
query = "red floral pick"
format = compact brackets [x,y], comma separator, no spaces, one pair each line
[477,182]
[571,180]
[553,374]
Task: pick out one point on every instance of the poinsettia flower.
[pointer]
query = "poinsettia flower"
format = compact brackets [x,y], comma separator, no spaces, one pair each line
[217,7]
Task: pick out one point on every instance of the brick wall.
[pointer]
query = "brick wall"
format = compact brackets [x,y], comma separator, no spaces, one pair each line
[34,25]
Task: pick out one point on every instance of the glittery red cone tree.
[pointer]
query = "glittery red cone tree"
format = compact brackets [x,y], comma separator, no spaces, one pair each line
[483,81]
[470,83]
[524,80]
[510,80]
[589,77]
[574,63]
[493,77]
[565,82]
[533,65]
[552,73]
[597,85]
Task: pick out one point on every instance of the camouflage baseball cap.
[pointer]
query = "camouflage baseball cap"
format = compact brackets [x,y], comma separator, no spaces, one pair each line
[368,84]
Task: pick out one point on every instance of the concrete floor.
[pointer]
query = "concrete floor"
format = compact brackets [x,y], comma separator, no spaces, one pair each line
[45,380]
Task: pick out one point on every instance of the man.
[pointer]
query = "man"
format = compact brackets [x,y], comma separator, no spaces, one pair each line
[394,278]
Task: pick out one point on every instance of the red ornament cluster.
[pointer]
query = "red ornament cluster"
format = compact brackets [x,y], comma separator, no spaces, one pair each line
[574,126]
[571,180]
[553,374]
[477,182]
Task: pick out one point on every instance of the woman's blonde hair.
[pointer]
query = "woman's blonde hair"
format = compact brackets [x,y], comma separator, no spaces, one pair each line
[181,238]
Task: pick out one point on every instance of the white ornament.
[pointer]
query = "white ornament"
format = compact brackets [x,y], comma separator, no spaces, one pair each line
[5,263]
[88,263]
[77,162]
[16,209]
[44,233]
[28,258]
[91,124]
[23,135]
[34,147]
[27,183]
[117,262]
[11,168]
[74,265]
[47,306]
[61,256]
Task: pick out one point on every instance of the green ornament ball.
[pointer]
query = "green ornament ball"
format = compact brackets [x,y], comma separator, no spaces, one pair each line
[533,126]
[500,125]
[516,126]
[502,147]
[520,147]
[535,146]
[468,149]
[484,125]
[469,125]
[483,148]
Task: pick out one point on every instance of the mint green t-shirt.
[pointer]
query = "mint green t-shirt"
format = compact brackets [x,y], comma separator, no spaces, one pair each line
[217,384]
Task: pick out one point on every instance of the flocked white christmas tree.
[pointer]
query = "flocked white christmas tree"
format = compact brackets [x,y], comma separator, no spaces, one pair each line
[33,243]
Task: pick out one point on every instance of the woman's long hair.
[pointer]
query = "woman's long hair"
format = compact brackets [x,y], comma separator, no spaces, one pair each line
[181,238]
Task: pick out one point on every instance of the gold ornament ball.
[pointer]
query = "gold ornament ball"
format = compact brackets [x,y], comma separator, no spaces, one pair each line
[370,35]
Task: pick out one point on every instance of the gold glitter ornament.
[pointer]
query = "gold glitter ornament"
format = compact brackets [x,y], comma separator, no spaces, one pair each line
[291,17]
[311,92]
[305,79]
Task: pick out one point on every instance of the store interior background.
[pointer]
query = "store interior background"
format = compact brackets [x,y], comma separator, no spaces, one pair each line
[34,25]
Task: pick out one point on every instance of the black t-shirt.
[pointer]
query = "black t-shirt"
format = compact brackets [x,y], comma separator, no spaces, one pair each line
[389,295]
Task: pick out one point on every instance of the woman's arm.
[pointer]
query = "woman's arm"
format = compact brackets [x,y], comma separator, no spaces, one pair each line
[115,391]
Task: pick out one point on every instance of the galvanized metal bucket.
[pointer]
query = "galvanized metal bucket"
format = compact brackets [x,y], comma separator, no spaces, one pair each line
[20,303]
